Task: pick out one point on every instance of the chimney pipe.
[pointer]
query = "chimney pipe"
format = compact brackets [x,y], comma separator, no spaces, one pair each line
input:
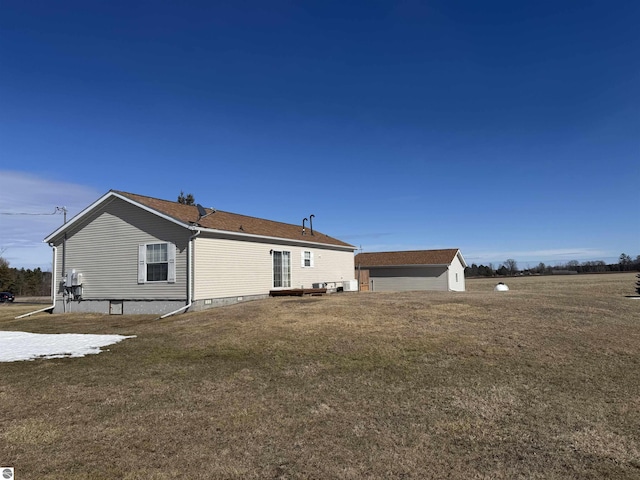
[303,220]
[311,223]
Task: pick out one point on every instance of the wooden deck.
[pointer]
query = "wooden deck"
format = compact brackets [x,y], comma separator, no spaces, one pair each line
[297,292]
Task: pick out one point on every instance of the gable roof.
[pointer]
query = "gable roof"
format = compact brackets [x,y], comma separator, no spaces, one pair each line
[409,257]
[216,220]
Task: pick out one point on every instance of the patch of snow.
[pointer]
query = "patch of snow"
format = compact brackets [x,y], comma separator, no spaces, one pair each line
[17,346]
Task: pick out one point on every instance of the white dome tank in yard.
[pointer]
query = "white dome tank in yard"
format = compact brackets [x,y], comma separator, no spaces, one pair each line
[501,287]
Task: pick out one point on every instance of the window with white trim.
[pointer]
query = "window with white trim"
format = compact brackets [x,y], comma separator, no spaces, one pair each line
[156,262]
[306,259]
[281,269]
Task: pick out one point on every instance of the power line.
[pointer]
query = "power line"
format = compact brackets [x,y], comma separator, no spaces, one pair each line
[25,213]
[57,210]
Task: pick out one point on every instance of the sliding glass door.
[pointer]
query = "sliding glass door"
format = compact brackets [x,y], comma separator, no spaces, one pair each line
[281,269]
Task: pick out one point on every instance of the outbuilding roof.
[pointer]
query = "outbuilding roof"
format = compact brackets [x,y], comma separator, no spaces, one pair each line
[409,257]
[218,220]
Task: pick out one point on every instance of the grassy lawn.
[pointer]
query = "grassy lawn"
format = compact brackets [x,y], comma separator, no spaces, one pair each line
[542,381]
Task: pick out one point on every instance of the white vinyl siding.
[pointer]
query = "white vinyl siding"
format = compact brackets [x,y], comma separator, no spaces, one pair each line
[219,273]
[327,266]
[456,276]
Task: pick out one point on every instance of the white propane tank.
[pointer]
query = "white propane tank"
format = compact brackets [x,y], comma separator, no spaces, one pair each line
[501,287]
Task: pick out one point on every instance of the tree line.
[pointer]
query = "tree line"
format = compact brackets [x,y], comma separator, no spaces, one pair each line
[510,267]
[24,282]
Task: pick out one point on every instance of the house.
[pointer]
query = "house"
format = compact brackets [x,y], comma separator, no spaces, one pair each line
[129,253]
[413,270]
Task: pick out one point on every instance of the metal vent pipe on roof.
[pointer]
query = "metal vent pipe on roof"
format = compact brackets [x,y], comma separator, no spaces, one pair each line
[311,223]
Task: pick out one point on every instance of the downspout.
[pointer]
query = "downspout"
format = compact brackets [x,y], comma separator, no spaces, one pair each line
[189,277]
[53,285]
[64,267]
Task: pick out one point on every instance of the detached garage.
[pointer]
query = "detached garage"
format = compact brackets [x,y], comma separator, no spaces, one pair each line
[412,270]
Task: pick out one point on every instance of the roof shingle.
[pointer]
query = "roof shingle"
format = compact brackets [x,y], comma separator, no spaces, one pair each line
[408,257]
[232,222]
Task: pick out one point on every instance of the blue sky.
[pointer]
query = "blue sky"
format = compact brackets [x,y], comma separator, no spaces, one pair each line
[506,129]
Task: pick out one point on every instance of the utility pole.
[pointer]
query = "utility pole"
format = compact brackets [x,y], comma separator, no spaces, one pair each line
[64,211]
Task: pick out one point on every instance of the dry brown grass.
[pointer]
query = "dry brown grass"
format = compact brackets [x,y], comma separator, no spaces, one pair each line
[542,381]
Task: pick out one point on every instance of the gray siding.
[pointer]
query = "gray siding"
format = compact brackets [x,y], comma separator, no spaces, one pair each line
[399,279]
[104,248]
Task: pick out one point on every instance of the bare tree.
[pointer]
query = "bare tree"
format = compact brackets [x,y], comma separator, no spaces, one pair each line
[541,268]
[512,266]
[625,262]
